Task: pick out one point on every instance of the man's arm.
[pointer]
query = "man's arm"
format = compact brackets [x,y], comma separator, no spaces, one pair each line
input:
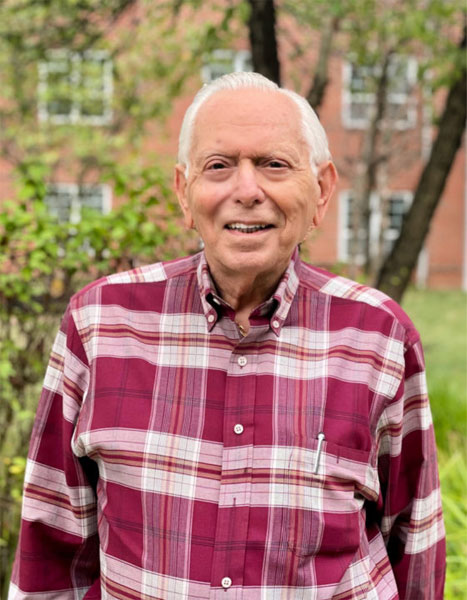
[57,552]
[412,522]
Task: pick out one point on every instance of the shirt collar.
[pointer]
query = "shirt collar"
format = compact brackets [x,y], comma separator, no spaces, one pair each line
[277,306]
[210,299]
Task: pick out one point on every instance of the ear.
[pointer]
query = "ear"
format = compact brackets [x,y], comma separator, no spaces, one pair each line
[180,186]
[327,180]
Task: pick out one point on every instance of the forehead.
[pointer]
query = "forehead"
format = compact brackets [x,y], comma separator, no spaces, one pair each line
[258,116]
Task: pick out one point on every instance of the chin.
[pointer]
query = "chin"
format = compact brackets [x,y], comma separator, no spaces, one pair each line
[255,265]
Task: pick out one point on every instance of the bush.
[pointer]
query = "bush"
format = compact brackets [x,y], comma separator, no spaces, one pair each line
[42,263]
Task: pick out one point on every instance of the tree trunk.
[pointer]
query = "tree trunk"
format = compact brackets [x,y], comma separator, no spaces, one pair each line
[262,32]
[396,270]
[315,95]
[367,171]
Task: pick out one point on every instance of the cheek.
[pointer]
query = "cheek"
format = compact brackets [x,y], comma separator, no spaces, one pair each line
[301,210]
[206,199]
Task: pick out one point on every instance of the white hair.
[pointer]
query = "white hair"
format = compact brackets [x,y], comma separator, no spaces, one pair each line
[313,132]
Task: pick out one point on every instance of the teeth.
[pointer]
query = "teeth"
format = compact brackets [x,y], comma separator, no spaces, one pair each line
[246,228]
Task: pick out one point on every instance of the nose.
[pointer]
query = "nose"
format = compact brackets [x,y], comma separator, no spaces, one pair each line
[248,190]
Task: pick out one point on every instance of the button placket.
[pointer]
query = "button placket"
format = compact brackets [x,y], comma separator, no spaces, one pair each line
[233,521]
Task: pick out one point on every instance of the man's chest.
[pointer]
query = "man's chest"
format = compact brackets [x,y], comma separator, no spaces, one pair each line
[244,451]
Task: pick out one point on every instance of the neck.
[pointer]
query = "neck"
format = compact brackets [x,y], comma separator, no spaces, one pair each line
[244,291]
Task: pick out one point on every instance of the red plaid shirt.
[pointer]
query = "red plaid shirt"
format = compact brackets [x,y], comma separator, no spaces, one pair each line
[174,458]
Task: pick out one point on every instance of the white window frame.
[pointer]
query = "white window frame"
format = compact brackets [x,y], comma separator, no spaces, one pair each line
[350,98]
[376,219]
[57,61]
[239,59]
[73,190]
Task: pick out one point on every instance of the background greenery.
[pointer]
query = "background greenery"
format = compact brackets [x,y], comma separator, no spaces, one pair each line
[441,318]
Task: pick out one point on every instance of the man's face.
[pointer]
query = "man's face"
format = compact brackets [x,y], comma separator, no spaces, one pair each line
[251,192]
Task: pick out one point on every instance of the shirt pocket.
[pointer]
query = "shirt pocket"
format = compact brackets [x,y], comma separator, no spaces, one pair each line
[327,488]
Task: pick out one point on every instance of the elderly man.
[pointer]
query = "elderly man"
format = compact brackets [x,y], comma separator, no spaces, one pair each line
[236,424]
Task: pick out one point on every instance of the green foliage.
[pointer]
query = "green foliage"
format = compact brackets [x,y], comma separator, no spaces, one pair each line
[42,263]
[453,475]
[374,27]
[441,318]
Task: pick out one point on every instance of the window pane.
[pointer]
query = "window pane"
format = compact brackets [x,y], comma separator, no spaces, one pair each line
[93,93]
[223,61]
[59,202]
[75,86]
[397,111]
[360,111]
[362,79]
[92,107]
[220,67]
[361,236]
[396,210]
[398,76]
[361,87]
[92,197]
[65,201]
[92,75]
[59,87]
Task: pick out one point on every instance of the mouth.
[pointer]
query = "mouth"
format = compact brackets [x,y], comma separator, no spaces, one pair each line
[244,228]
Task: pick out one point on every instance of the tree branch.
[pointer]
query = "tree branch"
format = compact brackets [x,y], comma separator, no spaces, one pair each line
[396,270]
[315,95]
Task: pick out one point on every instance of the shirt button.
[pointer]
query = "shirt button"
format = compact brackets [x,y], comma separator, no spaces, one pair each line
[242,361]
[238,428]
[211,318]
[226,582]
[275,324]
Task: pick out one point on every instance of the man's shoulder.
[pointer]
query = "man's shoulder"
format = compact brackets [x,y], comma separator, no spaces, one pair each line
[155,273]
[355,294]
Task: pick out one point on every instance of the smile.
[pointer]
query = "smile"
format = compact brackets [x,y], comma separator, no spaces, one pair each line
[246,228]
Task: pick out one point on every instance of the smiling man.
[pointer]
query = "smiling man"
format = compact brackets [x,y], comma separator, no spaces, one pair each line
[236,424]
[251,191]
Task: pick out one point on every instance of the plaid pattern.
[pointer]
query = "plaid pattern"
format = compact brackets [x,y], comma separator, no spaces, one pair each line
[139,485]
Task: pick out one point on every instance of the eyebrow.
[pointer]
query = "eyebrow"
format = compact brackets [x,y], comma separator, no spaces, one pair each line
[280,154]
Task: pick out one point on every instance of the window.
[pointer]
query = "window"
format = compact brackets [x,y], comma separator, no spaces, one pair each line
[76,88]
[65,200]
[359,93]
[220,62]
[398,204]
[387,214]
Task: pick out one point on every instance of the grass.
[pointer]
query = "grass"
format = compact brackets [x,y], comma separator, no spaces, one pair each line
[441,318]
[453,475]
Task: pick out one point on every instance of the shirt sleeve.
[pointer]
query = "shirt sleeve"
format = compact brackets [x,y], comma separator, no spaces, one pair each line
[57,554]
[410,502]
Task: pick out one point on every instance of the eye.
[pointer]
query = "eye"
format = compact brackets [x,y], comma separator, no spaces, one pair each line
[276,164]
[215,165]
